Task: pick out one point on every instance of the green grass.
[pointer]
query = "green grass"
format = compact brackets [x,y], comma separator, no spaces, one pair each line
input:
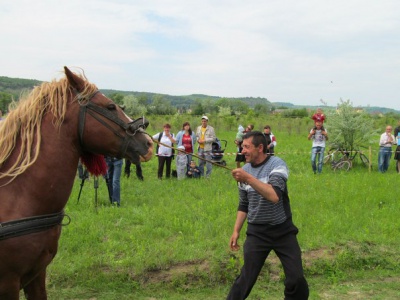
[169,239]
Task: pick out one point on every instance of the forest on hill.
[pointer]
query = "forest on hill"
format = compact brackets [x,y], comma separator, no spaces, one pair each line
[138,103]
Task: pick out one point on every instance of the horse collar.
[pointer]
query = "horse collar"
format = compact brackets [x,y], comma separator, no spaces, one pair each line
[32,224]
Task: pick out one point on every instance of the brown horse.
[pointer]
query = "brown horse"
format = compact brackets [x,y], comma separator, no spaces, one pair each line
[41,141]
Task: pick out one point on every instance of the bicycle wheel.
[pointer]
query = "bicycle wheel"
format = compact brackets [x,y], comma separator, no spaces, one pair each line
[364,159]
[328,157]
[343,165]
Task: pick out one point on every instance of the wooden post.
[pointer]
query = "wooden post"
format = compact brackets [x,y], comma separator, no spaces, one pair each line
[370,158]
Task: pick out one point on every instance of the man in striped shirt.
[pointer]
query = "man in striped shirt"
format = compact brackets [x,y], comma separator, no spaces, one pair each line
[264,202]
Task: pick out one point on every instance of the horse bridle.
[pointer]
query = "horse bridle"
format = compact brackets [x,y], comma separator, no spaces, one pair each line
[94,110]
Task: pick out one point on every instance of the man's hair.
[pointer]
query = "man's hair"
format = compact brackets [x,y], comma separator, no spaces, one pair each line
[258,139]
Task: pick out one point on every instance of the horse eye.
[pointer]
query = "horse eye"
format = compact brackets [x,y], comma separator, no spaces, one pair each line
[111,106]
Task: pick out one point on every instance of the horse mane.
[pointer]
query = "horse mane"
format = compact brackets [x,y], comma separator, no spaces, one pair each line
[24,121]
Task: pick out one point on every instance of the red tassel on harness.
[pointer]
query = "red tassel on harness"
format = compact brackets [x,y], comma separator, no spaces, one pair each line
[94,163]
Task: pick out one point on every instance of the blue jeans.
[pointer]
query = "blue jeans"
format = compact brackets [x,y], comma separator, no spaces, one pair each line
[317,151]
[114,169]
[385,153]
[206,155]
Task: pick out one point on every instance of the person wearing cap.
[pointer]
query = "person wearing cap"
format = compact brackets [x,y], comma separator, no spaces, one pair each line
[205,136]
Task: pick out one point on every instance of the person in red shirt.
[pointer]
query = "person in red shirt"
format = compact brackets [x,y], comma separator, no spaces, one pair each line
[187,138]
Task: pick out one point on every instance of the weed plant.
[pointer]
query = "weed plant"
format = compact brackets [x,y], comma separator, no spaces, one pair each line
[169,239]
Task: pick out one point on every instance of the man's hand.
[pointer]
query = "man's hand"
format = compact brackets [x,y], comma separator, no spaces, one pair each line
[240,175]
[233,242]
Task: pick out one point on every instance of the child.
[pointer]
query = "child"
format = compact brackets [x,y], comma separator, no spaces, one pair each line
[239,136]
[193,171]
[319,116]
[181,162]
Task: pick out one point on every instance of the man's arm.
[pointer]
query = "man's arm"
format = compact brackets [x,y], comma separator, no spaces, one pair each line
[240,218]
[211,137]
[264,189]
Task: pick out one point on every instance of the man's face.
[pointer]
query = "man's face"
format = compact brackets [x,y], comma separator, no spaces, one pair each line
[250,152]
[204,123]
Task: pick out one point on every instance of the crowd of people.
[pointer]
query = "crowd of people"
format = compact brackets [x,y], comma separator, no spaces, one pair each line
[188,144]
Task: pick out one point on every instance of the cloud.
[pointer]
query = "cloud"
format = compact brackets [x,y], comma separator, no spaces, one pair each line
[281,50]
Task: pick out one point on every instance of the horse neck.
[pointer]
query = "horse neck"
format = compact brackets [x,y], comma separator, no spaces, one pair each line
[46,185]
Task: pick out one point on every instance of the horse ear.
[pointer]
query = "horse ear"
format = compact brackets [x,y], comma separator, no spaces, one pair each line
[75,81]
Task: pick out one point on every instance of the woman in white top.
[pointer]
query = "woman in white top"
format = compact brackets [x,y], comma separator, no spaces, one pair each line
[164,153]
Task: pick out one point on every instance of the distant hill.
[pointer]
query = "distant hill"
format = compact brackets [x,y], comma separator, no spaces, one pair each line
[15,86]
[188,100]
[368,109]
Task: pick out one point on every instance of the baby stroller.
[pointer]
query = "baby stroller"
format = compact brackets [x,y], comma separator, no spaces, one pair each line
[217,153]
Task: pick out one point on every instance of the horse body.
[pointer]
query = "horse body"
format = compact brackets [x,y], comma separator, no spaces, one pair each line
[45,185]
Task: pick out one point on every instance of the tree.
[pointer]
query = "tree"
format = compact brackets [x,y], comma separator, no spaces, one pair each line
[261,109]
[160,106]
[349,128]
[5,100]
[197,108]
[118,98]
[132,106]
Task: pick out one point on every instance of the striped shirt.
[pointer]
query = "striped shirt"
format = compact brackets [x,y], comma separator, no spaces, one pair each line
[259,210]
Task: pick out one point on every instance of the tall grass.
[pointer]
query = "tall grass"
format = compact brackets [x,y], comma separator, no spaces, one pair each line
[169,239]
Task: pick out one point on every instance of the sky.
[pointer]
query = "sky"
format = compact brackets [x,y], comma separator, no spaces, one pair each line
[310,52]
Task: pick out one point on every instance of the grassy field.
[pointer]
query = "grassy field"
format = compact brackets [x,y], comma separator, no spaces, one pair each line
[169,239]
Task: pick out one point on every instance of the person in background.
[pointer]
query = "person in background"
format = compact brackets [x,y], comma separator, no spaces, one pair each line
[239,135]
[271,140]
[319,117]
[386,142]
[187,138]
[264,202]
[82,171]
[164,150]
[193,170]
[205,136]
[139,171]
[181,163]
[397,152]
[319,136]
[239,157]
[114,170]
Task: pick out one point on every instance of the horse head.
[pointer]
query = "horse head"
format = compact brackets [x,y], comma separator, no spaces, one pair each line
[104,128]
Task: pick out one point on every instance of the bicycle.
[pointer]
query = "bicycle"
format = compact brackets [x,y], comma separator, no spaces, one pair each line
[341,165]
[344,154]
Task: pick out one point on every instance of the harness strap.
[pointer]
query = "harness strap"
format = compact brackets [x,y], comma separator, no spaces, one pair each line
[32,224]
[81,124]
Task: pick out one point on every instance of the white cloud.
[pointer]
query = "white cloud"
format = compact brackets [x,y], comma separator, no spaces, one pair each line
[281,50]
